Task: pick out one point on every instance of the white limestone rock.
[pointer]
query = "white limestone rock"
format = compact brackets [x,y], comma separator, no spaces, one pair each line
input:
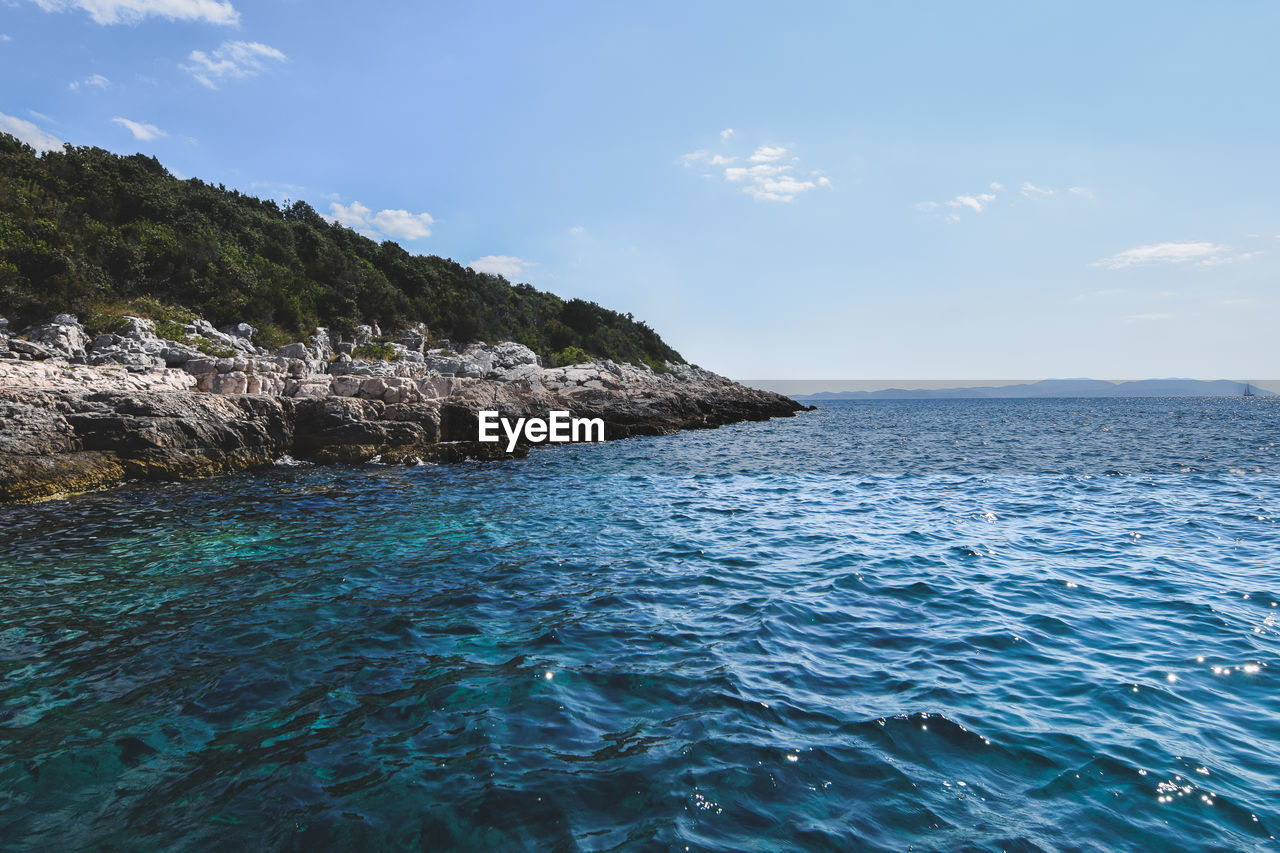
[63,337]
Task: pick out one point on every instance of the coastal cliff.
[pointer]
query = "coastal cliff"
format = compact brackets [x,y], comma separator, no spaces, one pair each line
[183,359]
[77,415]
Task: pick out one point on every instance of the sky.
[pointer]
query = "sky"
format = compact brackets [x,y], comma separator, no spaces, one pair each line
[818,190]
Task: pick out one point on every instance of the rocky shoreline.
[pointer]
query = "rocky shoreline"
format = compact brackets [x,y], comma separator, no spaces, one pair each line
[79,414]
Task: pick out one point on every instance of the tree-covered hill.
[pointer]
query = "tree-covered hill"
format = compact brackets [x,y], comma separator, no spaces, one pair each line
[89,232]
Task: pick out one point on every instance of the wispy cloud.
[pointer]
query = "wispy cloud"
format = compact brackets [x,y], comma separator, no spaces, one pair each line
[398,224]
[132,11]
[726,133]
[768,154]
[503,265]
[768,173]
[5,37]
[95,80]
[577,229]
[768,182]
[1081,191]
[703,156]
[144,132]
[1144,318]
[976,203]
[231,60]
[1202,253]
[1219,260]
[29,133]
[770,179]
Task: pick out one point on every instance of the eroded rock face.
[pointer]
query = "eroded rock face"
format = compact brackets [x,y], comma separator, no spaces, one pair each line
[139,348]
[149,408]
[60,442]
[64,336]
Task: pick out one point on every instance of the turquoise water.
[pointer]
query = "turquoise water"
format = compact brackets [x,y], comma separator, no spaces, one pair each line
[1019,625]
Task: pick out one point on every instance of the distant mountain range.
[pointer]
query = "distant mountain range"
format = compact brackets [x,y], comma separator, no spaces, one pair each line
[1057,388]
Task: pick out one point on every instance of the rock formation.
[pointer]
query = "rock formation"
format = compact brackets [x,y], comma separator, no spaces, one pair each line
[78,414]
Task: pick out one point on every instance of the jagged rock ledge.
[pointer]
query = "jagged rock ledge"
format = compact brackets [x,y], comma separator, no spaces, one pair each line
[77,415]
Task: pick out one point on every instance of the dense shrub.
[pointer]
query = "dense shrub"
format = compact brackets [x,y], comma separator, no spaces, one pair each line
[101,235]
[375,352]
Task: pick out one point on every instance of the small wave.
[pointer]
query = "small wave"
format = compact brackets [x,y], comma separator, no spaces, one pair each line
[288,461]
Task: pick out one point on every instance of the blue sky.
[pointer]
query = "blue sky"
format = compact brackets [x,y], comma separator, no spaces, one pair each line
[817,191]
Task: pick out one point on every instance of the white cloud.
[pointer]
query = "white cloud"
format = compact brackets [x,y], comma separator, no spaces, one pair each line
[1030,190]
[503,265]
[768,182]
[755,173]
[1219,260]
[1084,191]
[29,133]
[1203,253]
[92,80]
[781,188]
[768,153]
[133,11]
[577,229]
[726,133]
[144,132]
[5,37]
[975,203]
[400,224]
[1138,318]
[403,225]
[767,178]
[230,61]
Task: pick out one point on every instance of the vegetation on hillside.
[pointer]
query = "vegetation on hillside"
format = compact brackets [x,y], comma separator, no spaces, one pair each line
[93,233]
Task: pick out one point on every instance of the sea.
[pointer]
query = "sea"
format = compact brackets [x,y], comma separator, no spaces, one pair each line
[885,625]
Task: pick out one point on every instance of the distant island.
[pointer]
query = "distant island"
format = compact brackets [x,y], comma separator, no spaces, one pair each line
[1057,388]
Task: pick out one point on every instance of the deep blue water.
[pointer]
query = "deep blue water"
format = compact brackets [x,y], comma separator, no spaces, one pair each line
[1018,625]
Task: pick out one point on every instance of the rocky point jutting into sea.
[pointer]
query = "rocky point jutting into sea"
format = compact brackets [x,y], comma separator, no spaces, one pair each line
[78,414]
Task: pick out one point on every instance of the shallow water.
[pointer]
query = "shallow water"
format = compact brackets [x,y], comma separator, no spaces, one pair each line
[1030,624]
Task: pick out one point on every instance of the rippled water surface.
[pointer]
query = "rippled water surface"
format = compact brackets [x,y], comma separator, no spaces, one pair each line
[975,625]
